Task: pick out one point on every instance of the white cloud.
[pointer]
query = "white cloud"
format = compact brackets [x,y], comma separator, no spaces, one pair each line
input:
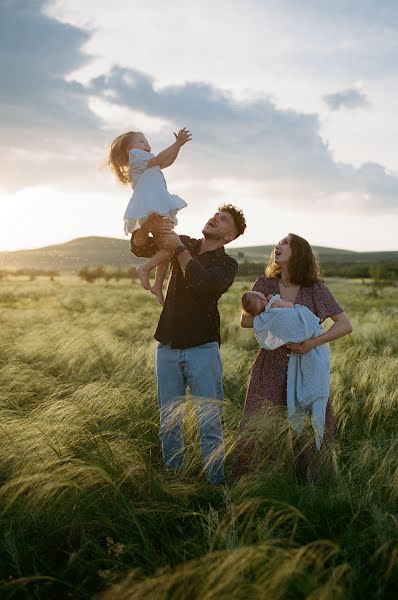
[248,77]
[294,52]
[256,141]
[122,118]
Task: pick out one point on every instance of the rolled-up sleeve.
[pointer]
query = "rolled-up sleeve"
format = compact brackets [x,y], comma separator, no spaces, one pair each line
[210,280]
[148,250]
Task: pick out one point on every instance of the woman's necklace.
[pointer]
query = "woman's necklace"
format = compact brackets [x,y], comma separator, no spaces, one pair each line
[285,284]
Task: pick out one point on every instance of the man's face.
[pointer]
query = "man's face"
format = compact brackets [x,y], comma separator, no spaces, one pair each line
[220,227]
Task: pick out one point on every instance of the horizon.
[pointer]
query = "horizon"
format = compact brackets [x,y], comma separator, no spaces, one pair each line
[227,245]
[302,141]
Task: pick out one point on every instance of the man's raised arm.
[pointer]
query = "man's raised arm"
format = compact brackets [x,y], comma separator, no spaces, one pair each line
[203,280]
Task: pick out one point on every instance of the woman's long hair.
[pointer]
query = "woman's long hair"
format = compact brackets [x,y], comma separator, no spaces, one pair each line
[118,159]
[303,266]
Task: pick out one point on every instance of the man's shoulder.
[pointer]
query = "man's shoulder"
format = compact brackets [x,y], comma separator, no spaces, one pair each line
[231,259]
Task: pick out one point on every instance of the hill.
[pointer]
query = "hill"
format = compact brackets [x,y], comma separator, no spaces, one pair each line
[93,251]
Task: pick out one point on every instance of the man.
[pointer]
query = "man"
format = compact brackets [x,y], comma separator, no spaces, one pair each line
[188,331]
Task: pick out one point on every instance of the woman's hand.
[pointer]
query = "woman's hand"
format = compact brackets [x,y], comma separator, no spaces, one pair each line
[183,136]
[246,320]
[302,347]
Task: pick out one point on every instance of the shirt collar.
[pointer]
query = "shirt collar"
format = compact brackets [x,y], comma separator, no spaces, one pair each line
[217,252]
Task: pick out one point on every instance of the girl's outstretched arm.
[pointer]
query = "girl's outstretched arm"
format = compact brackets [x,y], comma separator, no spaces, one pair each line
[166,157]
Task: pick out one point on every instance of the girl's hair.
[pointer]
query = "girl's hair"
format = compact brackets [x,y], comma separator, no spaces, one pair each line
[118,159]
[303,266]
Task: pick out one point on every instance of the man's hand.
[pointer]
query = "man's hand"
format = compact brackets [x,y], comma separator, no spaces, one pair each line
[157,225]
[183,136]
[303,347]
[169,241]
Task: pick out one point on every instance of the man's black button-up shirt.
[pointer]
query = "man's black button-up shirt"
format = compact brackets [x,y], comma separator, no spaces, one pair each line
[190,314]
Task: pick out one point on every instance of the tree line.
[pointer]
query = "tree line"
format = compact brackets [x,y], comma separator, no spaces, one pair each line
[381,273]
[385,271]
[31,273]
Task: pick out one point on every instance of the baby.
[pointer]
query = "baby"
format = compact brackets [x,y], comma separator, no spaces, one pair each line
[255,302]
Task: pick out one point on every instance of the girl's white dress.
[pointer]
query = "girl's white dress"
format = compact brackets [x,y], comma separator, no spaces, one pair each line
[150,192]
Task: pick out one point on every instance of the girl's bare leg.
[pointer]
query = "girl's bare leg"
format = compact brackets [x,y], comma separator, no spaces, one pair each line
[144,270]
[157,287]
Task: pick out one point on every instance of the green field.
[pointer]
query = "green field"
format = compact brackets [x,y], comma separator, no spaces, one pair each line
[87,508]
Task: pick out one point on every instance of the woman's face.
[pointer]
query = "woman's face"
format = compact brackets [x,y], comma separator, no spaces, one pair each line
[283,251]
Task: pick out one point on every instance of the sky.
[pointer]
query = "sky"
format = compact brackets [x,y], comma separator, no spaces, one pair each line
[292,108]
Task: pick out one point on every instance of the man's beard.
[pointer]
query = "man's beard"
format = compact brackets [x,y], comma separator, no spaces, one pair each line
[211,235]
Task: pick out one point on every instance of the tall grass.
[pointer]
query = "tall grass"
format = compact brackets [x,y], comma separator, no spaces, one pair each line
[87,508]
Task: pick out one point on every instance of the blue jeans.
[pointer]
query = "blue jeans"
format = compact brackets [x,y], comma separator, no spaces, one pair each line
[200,369]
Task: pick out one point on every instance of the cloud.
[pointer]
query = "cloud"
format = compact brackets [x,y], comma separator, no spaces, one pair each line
[56,131]
[245,138]
[348,98]
[37,54]
[47,125]
[285,46]
[254,141]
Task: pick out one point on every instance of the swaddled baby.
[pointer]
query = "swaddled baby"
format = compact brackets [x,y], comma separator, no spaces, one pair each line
[255,302]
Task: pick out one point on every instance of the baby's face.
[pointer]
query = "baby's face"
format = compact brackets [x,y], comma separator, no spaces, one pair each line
[138,140]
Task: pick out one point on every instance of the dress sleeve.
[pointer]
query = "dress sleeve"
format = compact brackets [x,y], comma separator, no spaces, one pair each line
[138,159]
[260,285]
[325,303]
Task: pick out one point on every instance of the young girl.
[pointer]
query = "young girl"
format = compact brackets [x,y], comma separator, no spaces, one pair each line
[131,160]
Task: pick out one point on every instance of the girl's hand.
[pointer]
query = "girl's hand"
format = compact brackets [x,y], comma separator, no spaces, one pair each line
[183,136]
[302,347]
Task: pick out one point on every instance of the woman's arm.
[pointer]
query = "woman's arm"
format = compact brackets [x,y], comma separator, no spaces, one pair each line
[167,157]
[246,320]
[341,326]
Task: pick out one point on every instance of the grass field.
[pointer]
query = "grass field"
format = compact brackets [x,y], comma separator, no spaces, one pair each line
[87,508]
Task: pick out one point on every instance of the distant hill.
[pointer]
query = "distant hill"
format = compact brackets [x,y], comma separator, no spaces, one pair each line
[73,255]
[114,252]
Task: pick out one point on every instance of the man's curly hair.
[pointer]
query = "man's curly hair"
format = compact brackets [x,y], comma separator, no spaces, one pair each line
[238,217]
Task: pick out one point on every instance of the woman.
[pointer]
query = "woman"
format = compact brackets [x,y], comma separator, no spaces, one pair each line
[292,272]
